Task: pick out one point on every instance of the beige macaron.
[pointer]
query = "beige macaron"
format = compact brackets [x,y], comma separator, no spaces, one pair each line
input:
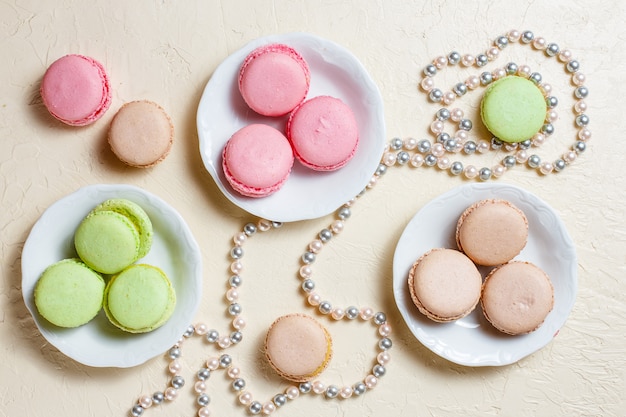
[141,134]
[517,297]
[298,347]
[444,284]
[492,232]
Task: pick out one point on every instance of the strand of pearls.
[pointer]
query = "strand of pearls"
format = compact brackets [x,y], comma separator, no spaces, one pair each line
[435,154]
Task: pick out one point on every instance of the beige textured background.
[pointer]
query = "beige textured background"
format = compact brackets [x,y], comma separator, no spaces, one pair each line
[166,51]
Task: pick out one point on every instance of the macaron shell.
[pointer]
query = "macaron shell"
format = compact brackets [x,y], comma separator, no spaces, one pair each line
[257,160]
[492,232]
[139,299]
[517,297]
[141,134]
[513,109]
[69,294]
[107,241]
[444,284]
[75,89]
[298,347]
[324,133]
[137,215]
[274,79]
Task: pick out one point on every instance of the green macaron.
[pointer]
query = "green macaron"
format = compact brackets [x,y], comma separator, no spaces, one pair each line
[139,299]
[68,293]
[513,109]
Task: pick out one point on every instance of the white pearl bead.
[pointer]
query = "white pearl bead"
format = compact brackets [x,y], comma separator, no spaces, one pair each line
[239,323]
[492,53]
[371,183]
[264,225]
[499,73]
[498,170]
[417,160]
[584,134]
[514,35]
[306,271]
[545,88]
[444,162]
[233,372]
[145,401]
[539,43]
[232,295]
[202,329]
[552,116]
[170,394]
[292,392]
[223,342]
[470,171]
[236,267]
[199,387]
[427,84]
[472,82]
[437,149]
[337,226]
[436,127]
[316,245]
[448,98]
[456,115]
[410,144]
[565,55]
[174,367]
[389,159]
[521,156]
[578,78]
[338,313]
[546,167]
[245,398]
[370,381]
[366,313]
[240,238]
[318,387]
[383,358]
[204,412]
[580,106]
[467,60]
[461,135]
[523,71]
[345,392]
[212,364]
[569,157]
[440,62]
[482,146]
[268,408]
[384,330]
[314,299]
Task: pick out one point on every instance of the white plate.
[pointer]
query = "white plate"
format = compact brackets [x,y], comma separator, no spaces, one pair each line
[174,250]
[306,194]
[472,341]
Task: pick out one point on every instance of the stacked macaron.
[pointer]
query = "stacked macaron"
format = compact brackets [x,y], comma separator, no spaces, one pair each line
[321,132]
[515,296]
[108,241]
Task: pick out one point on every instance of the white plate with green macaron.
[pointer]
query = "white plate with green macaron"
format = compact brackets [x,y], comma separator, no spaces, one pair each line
[98,342]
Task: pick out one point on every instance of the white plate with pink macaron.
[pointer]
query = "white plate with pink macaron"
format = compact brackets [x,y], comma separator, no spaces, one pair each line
[306,193]
[472,340]
[174,250]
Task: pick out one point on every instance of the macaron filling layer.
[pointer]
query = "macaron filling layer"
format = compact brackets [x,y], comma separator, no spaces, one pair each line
[69,294]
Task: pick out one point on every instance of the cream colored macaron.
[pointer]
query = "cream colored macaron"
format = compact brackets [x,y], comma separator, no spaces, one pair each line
[298,347]
[517,297]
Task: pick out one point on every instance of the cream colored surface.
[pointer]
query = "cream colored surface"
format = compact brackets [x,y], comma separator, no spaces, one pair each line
[165,51]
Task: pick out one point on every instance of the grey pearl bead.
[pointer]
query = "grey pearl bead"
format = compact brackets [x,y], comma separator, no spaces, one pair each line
[137,410]
[385,343]
[496,143]
[509,161]
[212,336]
[552,49]
[178,382]
[403,157]
[460,89]
[481,60]
[225,361]
[547,129]
[325,235]
[511,68]
[331,392]
[581,92]
[435,95]
[552,102]
[380,318]
[450,145]
[486,78]
[239,384]
[484,174]
[305,387]
[535,77]
[277,225]
[395,144]
[249,229]
[582,120]
[430,70]
[234,309]
[442,137]
[454,58]
[423,146]
[236,337]
[352,313]
[378,370]
[456,168]
[443,114]
[255,407]
[308,285]
[465,124]
[203,400]
[280,400]
[580,147]
[502,42]
[534,161]
[235,281]
[430,160]
[236,252]
[308,258]
[189,331]
[572,66]
[527,36]
[203,374]
[381,169]
[359,388]
[469,147]
[325,307]
[344,213]
[174,352]
[559,165]
[525,144]
[158,397]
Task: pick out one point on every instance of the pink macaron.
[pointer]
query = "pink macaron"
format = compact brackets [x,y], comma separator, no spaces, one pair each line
[324,133]
[75,89]
[257,160]
[274,79]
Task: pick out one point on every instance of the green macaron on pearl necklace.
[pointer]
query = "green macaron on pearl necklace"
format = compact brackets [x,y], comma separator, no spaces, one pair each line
[440,152]
[221,342]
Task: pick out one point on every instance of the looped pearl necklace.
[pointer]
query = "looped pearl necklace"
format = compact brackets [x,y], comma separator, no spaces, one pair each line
[436,153]
[234,310]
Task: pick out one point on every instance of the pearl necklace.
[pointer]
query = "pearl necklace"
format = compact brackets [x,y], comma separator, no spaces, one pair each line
[435,153]
[234,310]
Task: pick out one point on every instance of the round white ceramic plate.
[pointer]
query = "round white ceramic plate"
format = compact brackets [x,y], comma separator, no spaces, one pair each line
[306,194]
[472,341]
[174,250]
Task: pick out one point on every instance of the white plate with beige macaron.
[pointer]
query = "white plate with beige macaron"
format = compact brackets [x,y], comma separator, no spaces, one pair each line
[472,340]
